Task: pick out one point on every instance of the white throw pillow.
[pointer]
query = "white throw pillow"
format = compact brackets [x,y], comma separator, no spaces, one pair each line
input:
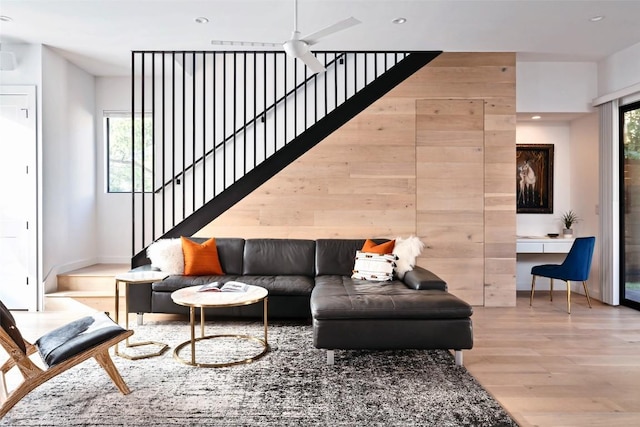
[407,250]
[166,254]
[376,267]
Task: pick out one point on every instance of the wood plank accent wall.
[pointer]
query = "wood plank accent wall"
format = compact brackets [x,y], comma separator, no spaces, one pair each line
[435,157]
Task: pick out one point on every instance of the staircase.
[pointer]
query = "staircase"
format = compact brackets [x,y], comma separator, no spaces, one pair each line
[211,127]
[219,125]
[90,287]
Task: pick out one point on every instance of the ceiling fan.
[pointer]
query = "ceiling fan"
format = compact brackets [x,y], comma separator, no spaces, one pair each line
[298,47]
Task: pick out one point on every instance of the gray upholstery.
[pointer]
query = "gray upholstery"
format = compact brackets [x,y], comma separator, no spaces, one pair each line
[279,257]
[422,279]
[230,251]
[336,256]
[312,279]
[307,278]
[358,314]
[76,337]
[340,297]
[379,334]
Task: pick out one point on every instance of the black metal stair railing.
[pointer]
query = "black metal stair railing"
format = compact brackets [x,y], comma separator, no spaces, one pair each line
[223,123]
[245,126]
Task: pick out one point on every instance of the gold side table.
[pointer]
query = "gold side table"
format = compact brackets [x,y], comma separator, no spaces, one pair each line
[137,278]
[190,297]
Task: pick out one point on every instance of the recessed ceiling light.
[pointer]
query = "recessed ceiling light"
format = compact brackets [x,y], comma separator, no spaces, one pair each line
[536,117]
[5,18]
[399,20]
[596,18]
[201,20]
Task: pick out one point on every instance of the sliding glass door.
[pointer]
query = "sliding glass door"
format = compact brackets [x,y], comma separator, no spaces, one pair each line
[630,204]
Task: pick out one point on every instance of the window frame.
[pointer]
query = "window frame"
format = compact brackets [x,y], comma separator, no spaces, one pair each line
[148,179]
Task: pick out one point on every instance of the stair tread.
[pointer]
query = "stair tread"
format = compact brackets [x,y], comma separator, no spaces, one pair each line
[93,278]
[82,293]
[98,270]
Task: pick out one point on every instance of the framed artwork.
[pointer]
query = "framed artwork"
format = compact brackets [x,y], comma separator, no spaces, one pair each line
[534,178]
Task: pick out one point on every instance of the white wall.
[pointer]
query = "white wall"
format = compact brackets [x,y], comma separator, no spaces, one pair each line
[575,187]
[68,167]
[28,60]
[619,71]
[29,72]
[584,189]
[555,87]
[558,134]
[113,210]
[66,158]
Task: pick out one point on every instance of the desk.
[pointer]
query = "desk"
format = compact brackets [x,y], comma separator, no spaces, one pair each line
[543,245]
[536,250]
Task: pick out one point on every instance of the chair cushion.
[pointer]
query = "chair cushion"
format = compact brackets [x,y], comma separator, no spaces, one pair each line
[8,323]
[284,257]
[339,297]
[76,337]
[336,256]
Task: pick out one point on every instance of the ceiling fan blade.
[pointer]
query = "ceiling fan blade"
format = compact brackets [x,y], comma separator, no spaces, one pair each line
[239,43]
[313,38]
[312,62]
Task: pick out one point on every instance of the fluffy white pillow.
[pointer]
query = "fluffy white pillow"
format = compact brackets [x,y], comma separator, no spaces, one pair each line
[166,254]
[407,250]
[371,266]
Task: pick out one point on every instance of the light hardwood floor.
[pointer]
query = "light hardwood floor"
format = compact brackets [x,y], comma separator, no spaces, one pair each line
[547,368]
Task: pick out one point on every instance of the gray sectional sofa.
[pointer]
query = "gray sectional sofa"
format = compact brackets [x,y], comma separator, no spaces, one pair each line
[312,279]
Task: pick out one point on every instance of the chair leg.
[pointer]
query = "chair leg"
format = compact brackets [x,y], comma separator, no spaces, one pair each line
[569,296]
[105,361]
[586,292]
[533,287]
[551,290]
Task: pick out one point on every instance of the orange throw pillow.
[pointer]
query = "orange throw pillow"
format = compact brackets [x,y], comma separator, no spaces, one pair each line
[200,259]
[382,249]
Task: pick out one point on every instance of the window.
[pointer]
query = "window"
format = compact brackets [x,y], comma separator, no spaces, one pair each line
[119,168]
[630,208]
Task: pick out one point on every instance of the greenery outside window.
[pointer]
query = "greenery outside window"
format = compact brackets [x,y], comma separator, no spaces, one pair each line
[630,207]
[631,134]
[119,152]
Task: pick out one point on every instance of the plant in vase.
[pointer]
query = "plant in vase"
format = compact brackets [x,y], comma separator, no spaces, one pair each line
[568,219]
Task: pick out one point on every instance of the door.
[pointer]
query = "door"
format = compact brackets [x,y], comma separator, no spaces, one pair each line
[18,195]
[630,200]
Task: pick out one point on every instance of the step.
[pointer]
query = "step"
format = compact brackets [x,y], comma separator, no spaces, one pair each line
[92,287]
[96,300]
[94,278]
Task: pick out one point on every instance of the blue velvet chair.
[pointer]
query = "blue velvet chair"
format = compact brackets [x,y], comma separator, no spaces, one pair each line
[575,267]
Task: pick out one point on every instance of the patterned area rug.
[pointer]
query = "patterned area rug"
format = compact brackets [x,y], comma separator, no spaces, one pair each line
[290,386]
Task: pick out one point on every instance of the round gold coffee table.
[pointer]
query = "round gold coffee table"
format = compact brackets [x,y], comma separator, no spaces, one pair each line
[190,297]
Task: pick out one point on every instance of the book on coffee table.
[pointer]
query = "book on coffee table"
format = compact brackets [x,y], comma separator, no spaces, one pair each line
[231,286]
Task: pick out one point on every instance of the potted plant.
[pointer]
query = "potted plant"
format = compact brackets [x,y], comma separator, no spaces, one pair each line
[568,219]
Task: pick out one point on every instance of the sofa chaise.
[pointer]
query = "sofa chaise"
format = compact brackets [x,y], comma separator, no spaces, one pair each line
[313,279]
